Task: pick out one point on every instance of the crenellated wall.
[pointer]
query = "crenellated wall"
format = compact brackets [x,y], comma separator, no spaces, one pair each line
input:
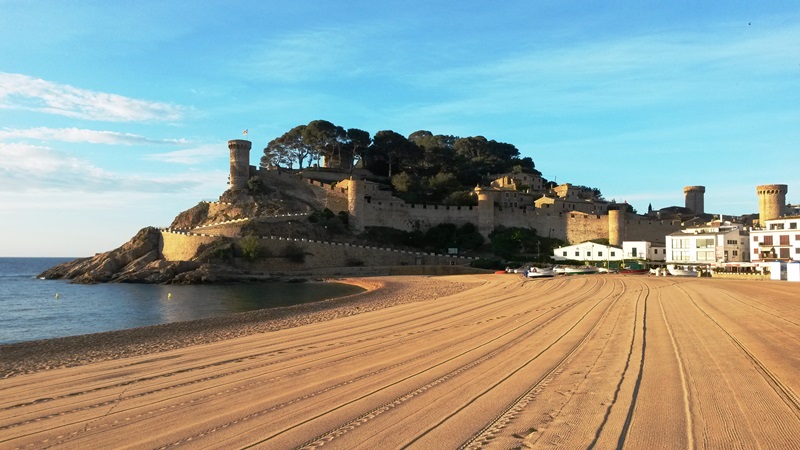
[573,220]
[182,246]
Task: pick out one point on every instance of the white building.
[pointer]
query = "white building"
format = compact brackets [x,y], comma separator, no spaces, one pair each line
[778,240]
[644,250]
[712,243]
[589,252]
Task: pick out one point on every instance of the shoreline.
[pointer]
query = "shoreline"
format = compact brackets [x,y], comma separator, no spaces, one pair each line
[381,292]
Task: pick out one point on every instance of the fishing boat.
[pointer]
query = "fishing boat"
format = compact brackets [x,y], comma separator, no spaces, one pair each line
[681,271]
[580,270]
[634,271]
[540,272]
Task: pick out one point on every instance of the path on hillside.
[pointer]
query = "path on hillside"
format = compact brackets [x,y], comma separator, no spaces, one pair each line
[601,361]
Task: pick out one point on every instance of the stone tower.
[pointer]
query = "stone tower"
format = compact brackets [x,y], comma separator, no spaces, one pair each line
[694,198]
[771,201]
[240,164]
[616,226]
[355,203]
[485,211]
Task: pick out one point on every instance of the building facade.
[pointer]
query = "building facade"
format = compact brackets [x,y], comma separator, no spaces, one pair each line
[644,250]
[712,243]
[588,252]
[778,240]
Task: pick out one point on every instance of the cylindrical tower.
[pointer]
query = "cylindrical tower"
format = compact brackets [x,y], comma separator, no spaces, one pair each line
[616,226]
[356,203]
[693,196]
[485,211]
[771,201]
[240,163]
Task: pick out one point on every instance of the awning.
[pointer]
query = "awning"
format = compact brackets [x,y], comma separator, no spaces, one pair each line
[766,249]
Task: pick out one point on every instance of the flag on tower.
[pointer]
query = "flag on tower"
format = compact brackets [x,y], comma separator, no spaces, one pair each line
[245,132]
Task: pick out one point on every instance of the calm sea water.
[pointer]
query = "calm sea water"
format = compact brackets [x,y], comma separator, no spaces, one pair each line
[32,309]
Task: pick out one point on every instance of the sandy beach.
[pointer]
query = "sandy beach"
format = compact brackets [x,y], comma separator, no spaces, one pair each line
[470,361]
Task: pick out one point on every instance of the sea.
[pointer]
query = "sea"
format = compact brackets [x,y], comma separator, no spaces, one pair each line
[33,309]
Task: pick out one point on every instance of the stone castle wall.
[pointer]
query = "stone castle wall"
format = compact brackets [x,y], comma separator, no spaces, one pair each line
[371,205]
[409,216]
[182,246]
[638,228]
[382,209]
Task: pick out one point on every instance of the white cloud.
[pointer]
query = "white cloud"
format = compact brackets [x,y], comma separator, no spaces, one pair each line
[23,92]
[190,156]
[306,55]
[34,168]
[82,135]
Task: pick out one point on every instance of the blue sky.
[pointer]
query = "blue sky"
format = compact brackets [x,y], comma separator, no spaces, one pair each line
[114,117]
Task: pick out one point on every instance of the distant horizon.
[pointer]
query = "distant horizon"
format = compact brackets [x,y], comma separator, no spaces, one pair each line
[637,100]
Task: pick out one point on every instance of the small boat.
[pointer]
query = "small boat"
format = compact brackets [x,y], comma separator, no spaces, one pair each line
[681,271]
[634,271]
[581,270]
[540,272]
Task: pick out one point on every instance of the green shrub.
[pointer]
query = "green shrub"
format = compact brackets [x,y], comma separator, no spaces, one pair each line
[250,246]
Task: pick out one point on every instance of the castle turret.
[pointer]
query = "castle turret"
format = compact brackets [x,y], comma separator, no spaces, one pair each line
[771,201]
[616,226]
[355,203]
[693,196]
[240,164]
[485,211]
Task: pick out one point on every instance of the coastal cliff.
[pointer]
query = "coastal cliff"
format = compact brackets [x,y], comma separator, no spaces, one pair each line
[138,261]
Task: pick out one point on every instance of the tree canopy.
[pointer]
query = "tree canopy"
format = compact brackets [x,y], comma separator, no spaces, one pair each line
[423,167]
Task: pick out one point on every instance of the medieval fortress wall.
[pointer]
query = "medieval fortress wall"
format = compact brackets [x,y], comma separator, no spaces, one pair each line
[568,213]
[178,245]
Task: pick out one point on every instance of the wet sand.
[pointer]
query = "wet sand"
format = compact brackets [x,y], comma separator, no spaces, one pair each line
[600,361]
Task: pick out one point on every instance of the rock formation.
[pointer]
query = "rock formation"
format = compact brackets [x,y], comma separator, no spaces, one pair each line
[139,261]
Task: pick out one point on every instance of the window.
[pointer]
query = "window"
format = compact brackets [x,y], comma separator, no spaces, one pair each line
[732,242]
[784,239]
[755,238]
[705,255]
[588,253]
[793,225]
[680,243]
[565,253]
[755,251]
[599,253]
[577,253]
[680,255]
[736,253]
[705,243]
[655,251]
[767,240]
[613,253]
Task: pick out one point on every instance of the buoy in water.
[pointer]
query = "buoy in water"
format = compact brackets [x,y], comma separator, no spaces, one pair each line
[56,294]
[169,294]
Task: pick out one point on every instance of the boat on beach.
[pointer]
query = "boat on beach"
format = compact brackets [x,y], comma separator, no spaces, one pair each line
[580,270]
[634,271]
[682,271]
[540,272]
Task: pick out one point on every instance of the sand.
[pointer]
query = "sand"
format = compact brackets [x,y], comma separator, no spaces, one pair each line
[472,361]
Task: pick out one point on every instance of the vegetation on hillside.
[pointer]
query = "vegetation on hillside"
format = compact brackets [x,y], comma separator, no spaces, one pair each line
[422,168]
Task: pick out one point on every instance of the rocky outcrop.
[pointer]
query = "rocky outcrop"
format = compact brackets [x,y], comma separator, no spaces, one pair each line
[192,217]
[137,261]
